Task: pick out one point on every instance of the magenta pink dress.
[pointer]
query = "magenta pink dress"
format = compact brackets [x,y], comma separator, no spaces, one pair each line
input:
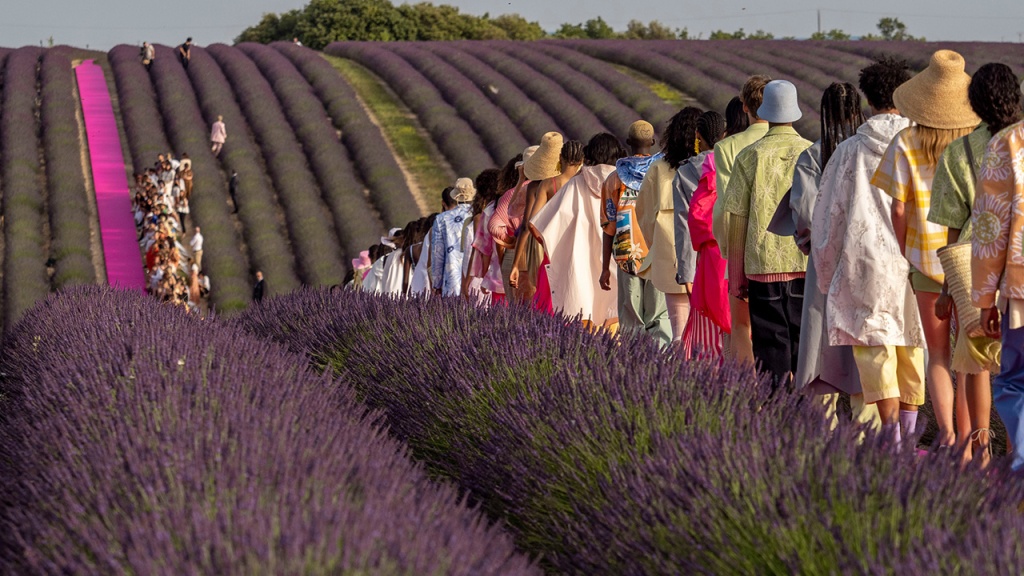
[542,298]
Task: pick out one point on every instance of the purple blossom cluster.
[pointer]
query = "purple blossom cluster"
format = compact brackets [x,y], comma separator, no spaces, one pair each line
[217,454]
[68,203]
[597,98]
[456,139]
[578,122]
[315,240]
[610,456]
[523,112]
[499,134]
[269,247]
[25,279]
[188,132]
[327,156]
[375,162]
[633,94]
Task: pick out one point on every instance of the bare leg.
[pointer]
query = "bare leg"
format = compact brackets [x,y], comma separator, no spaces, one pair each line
[979,404]
[963,417]
[939,379]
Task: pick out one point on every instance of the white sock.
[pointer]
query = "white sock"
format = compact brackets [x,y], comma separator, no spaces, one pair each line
[908,421]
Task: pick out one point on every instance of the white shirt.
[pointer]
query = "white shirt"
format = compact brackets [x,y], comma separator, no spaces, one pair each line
[197,242]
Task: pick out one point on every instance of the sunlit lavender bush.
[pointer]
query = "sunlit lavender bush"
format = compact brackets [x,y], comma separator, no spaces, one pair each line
[138,440]
[610,456]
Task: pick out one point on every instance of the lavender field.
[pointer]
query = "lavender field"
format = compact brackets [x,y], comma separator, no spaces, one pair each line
[332,432]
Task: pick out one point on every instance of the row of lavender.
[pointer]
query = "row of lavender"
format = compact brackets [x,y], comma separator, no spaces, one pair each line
[42,180]
[610,456]
[219,454]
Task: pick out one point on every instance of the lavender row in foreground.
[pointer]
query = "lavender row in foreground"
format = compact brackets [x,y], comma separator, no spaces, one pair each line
[609,456]
[219,454]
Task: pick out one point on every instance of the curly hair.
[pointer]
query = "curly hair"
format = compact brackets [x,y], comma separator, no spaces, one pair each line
[752,93]
[509,175]
[736,120]
[680,136]
[603,148]
[572,153]
[711,126]
[879,80]
[995,96]
[841,115]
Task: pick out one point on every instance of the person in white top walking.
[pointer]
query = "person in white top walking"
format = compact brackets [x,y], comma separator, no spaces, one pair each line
[197,248]
[218,135]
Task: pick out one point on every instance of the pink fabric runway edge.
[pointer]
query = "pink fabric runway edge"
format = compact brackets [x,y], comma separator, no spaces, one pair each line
[113,197]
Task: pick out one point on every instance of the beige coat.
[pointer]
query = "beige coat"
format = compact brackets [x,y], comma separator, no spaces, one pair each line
[655,212]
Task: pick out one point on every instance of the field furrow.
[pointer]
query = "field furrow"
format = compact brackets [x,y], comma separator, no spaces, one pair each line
[70,229]
[314,239]
[257,205]
[227,264]
[355,217]
[25,279]
[456,139]
[376,163]
[500,135]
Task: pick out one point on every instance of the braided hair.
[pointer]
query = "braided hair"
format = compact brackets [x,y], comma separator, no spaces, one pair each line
[841,115]
[680,136]
[711,126]
[572,153]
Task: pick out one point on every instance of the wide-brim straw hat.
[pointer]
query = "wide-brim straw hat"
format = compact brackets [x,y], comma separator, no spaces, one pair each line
[956,264]
[527,153]
[937,97]
[464,191]
[780,104]
[544,162]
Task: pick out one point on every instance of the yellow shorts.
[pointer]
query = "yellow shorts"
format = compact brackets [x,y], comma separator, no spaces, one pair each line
[891,372]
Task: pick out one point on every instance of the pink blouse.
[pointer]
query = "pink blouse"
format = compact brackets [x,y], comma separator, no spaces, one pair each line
[507,219]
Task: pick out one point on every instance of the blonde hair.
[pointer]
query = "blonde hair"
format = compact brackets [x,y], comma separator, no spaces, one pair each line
[933,141]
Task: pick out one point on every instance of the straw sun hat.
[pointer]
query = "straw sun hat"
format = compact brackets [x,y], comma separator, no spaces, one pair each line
[544,162]
[956,264]
[937,97]
[526,155]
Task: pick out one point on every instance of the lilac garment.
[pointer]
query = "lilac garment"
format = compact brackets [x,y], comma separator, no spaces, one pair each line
[446,250]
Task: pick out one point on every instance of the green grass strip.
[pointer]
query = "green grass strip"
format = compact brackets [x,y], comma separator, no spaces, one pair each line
[664,91]
[416,153]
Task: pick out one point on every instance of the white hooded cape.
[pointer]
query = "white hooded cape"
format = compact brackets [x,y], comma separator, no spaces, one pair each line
[570,227]
[858,259]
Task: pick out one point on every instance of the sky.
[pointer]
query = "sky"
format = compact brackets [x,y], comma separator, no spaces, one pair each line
[101,24]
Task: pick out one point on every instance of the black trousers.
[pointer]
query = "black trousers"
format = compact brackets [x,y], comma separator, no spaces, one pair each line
[775,311]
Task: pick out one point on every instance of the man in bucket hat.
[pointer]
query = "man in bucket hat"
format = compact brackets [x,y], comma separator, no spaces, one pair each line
[765,269]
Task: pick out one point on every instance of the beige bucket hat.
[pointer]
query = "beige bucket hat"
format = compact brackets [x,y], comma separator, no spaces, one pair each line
[937,97]
[544,162]
[464,191]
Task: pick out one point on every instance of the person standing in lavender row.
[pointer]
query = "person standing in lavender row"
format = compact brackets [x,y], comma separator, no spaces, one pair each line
[197,248]
[218,136]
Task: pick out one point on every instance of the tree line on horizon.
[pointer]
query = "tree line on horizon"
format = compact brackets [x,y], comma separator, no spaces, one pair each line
[324,21]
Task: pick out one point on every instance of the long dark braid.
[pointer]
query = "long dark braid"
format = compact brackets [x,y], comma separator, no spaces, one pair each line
[711,126]
[841,115]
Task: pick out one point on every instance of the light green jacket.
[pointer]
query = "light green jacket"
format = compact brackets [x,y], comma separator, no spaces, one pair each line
[726,151]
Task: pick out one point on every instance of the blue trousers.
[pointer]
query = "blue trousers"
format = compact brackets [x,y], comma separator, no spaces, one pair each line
[1008,390]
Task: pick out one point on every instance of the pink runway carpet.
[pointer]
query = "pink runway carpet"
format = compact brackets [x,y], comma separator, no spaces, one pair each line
[113,198]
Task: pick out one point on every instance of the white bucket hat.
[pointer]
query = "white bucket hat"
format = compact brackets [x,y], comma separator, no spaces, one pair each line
[780,105]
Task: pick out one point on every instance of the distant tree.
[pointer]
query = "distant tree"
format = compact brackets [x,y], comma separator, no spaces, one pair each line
[892,29]
[598,29]
[637,30]
[723,35]
[272,27]
[833,34]
[761,35]
[518,28]
[570,31]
